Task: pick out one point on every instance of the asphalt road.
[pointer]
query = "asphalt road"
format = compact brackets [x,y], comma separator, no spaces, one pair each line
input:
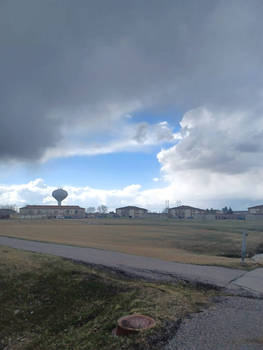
[138,265]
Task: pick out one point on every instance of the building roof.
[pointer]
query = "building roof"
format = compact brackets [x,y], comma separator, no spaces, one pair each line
[131,207]
[52,207]
[256,207]
[186,207]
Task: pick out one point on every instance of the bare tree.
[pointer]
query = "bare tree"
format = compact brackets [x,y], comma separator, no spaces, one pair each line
[102,209]
[8,206]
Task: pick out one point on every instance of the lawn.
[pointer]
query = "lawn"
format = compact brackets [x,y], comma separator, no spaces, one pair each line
[51,303]
[213,242]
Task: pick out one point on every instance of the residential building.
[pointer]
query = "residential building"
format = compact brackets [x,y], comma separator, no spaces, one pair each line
[184,212]
[53,211]
[7,213]
[258,209]
[131,212]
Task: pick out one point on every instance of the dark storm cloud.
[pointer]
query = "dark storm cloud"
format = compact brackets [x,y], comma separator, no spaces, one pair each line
[59,57]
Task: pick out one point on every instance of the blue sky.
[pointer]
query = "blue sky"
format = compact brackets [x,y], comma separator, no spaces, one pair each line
[116,170]
[101,171]
[105,171]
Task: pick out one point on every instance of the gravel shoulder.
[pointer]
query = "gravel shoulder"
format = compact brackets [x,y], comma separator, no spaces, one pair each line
[232,323]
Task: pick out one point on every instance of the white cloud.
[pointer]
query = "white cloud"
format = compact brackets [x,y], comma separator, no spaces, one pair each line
[218,156]
[193,187]
[216,141]
[156,179]
[37,192]
[125,137]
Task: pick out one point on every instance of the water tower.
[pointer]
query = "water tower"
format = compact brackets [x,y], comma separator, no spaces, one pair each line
[60,195]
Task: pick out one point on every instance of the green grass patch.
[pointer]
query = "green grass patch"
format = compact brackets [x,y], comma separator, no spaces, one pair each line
[51,303]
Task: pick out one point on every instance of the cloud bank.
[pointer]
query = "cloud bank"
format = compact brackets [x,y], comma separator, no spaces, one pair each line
[199,190]
[71,70]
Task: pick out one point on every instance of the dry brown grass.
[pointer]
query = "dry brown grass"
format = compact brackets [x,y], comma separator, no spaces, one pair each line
[187,242]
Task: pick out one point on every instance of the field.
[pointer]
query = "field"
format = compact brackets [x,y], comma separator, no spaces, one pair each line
[50,303]
[214,242]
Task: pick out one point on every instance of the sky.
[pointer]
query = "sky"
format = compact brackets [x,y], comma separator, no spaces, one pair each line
[131,102]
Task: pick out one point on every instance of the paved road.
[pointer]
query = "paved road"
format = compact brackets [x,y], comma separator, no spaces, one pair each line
[232,324]
[252,280]
[147,267]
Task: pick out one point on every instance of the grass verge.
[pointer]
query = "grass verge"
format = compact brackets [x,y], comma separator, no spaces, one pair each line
[50,303]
